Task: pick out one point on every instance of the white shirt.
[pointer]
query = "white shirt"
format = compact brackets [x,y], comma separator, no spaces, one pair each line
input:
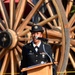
[36,49]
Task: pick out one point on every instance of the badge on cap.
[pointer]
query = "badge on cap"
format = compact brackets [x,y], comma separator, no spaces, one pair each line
[36,27]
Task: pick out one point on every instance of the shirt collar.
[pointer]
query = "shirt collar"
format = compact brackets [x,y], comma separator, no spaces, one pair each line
[38,44]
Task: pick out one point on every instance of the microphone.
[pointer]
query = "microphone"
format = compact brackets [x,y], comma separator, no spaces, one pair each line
[41,38]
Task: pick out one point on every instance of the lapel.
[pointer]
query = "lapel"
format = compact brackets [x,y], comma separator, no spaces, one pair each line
[33,49]
[41,47]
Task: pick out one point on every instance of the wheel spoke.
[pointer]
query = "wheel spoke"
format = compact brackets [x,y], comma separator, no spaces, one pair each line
[68,8]
[72,60]
[18,58]
[54,40]
[23,39]
[19,13]
[28,18]
[54,33]
[4,13]
[72,42]
[61,57]
[12,13]
[5,64]
[56,54]
[2,53]
[44,18]
[2,25]
[20,44]
[72,21]
[47,20]
[48,5]
[73,48]
[19,49]
[12,63]
[72,29]
[24,32]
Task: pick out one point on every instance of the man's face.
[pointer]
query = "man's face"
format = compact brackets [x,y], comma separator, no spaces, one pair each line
[36,34]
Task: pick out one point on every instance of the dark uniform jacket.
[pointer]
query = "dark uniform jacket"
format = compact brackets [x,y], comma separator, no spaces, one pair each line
[31,57]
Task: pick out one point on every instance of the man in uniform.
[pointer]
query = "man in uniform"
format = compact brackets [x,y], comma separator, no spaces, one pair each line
[36,52]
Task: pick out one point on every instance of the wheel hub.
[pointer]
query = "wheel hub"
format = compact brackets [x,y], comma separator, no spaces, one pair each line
[8,39]
[5,39]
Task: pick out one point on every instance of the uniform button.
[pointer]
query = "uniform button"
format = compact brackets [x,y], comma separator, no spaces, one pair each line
[36,60]
[42,62]
[36,55]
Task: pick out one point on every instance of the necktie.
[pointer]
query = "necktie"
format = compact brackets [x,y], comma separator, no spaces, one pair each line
[36,48]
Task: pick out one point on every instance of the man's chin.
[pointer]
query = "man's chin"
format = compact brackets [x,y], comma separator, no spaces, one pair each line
[35,40]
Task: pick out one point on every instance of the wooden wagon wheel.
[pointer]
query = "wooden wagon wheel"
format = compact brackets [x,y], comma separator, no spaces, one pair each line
[14,27]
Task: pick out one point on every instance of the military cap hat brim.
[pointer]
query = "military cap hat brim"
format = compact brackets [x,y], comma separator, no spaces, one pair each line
[36,28]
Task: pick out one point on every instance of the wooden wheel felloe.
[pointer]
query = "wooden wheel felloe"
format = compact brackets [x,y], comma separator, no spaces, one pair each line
[71,25]
[16,25]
